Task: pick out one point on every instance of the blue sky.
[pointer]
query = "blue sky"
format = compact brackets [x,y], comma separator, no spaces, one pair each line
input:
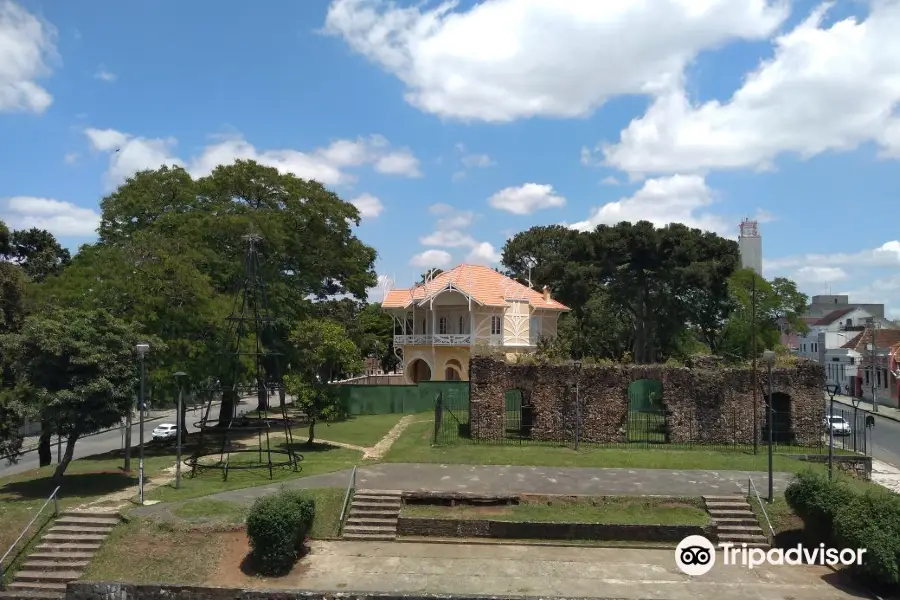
[453,127]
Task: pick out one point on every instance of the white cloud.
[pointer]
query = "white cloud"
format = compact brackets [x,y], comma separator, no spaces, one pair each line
[610,181]
[477,161]
[512,59]
[886,255]
[58,217]
[431,258]
[676,199]
[71,158]
[526,199]
[27,47]
[440,209]
[483,254]
[328,165]
[819,274]
[451,238]
[369,206]
[103,75]
[828,88]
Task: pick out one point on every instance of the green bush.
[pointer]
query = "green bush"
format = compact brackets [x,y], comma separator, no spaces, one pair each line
[277,526]
[815,499]
[872,521]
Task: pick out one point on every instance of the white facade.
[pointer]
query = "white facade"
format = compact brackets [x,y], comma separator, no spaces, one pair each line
[750,245]
[823,337]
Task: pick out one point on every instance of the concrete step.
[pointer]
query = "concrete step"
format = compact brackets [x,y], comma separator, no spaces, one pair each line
[375,505]
[763,545]
[734,498]
[739,538]
[375,529]
[38,586]
[69,547]
[354,520]
[733,514]
[61,555]
[33,564]
[374,512]
[731,521]
[74,538]
[103,514]
[80,521]
[369,537]
[23,594]
[47,576]
[395,493]
[376,500]
[96,530]
[728,505]
[754,529]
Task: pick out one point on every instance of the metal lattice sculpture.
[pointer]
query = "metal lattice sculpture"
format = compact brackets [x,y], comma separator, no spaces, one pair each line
[221,439]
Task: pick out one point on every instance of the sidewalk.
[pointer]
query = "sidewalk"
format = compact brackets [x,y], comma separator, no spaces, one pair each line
[482,479]
[866,406]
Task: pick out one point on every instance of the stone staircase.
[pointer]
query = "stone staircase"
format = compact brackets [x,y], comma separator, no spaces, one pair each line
[735,521]
[62,555]
[373,516]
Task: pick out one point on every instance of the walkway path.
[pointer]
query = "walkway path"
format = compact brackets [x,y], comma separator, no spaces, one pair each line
[377,451]
[522,480]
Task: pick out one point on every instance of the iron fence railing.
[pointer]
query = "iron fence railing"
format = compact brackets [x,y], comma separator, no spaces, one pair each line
[54,497]
[351,487]
[650,428]
[752,492]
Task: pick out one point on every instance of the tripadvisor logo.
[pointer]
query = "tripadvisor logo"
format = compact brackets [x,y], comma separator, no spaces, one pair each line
[696,555]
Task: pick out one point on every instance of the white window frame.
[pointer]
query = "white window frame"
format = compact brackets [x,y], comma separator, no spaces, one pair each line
[496,325]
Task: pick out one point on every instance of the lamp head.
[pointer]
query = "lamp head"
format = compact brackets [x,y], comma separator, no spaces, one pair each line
[768,357]
[179,374]
[832,390]
[142,348]
[577,364]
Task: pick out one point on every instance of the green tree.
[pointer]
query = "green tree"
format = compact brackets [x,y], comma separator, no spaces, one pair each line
[323,351]
[38,253]
[75,370]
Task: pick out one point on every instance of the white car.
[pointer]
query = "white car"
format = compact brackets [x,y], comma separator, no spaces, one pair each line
[838,425]
[165,431]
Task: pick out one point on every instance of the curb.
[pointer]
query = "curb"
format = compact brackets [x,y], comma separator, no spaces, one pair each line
[868,410]
[52,443]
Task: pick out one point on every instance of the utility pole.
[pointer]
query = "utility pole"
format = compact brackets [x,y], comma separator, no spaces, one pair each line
[755,382]
[873,351]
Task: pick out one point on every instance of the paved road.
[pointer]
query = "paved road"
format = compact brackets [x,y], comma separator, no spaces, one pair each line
[884,438]
[102,442]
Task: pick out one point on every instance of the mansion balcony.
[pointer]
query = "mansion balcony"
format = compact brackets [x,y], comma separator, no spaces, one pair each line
[437,339]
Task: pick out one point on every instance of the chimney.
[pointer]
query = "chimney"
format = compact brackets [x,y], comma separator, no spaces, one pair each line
[546,291]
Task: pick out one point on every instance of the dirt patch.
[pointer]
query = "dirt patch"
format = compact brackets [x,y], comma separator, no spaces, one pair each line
[235,568]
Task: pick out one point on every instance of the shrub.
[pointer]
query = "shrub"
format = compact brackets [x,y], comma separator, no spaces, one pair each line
[815,499]
[277,526]
[872,521]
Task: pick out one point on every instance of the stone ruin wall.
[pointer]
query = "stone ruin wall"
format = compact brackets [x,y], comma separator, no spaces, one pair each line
[705,404]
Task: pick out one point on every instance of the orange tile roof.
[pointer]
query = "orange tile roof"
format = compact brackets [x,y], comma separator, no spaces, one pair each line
[483,284]
[884,338]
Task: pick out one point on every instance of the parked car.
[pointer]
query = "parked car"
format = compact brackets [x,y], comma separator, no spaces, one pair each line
[165,431]
[838,425]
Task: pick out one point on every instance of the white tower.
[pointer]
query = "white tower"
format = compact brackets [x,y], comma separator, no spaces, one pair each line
[750,244]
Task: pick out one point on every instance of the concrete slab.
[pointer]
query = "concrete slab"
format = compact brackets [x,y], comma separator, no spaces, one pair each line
[522,570]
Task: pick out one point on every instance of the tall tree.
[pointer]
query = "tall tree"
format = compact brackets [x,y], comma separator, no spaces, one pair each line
[76,370]
[324,351]
[38,253]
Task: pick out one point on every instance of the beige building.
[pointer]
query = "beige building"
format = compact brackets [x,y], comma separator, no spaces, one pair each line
[438,323]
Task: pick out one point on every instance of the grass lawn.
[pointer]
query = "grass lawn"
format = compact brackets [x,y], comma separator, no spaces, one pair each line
[361,430]
[189,552]
[613,510]
[414,446]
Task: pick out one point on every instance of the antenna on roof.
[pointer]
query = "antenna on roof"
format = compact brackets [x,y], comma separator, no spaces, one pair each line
[386,285]
[530,263]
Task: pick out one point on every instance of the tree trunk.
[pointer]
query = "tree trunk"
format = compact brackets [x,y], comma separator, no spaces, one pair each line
[45,452]
[128,428]
[227,408]
[282,396]
[312,432]
[262,397]
[66,459]
[184,429]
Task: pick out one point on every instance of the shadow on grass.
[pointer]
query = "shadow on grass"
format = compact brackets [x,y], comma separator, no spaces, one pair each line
[74,485]
[248,565]
[24,547]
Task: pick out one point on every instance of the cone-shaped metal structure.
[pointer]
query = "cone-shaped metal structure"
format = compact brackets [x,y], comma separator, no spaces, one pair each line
[260,438]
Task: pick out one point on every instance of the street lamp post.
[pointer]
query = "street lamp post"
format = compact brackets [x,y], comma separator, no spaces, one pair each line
[872,348]
[832,390]
[180,425]
[769,359]
[142,349]
[577,365]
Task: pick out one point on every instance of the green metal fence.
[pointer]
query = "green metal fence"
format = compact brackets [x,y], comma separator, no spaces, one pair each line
[401,399]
